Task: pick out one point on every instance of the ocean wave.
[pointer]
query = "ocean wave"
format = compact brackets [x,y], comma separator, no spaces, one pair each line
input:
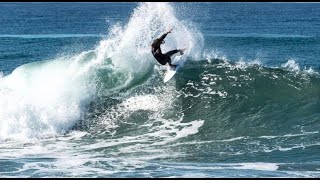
[50,96]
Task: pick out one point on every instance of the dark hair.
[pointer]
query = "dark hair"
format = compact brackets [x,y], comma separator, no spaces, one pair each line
[155,43]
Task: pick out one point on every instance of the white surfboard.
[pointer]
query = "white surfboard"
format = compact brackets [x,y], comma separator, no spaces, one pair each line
[170,71]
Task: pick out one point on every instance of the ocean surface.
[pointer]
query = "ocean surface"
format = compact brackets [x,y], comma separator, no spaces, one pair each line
[82,96]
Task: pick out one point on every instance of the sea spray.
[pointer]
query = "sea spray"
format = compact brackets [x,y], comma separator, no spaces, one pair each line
[48,97]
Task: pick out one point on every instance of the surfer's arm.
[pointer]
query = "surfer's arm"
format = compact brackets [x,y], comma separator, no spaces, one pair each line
[164,35]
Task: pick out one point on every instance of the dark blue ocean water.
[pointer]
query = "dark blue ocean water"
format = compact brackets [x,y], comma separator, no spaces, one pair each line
[82,96]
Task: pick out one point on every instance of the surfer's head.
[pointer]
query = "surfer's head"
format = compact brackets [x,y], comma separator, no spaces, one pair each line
[157,42]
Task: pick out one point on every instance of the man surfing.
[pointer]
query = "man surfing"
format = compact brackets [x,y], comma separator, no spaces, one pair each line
[163,59]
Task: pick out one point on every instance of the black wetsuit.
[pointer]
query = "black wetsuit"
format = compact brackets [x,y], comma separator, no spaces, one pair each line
[156,51]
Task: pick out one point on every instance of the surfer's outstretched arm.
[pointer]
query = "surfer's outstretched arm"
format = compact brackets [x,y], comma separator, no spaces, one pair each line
[164,35]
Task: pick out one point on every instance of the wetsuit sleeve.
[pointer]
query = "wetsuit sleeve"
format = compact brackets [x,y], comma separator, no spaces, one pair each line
[163,36]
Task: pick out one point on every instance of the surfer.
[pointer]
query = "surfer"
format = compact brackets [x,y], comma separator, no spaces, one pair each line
[163,58]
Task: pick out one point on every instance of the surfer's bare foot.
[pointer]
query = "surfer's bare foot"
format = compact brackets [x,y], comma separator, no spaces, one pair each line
[182,51]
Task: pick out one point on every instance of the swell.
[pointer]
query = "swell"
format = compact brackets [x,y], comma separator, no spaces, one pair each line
[211,111]
[243,100]
[233,99]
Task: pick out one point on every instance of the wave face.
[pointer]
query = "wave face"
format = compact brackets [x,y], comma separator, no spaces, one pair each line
[248,99]
[48,97]
[106,112]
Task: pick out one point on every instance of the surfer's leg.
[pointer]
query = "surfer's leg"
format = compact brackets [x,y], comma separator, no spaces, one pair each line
[170,53]
[162,61]
[168,59]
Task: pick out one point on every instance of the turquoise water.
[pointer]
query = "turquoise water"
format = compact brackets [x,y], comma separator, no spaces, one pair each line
[82,96]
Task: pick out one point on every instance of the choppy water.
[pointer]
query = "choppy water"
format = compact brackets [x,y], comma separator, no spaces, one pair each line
[82,96]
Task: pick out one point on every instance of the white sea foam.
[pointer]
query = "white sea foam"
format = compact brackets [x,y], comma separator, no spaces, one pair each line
[258,166]
[46,98]
[294,66]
